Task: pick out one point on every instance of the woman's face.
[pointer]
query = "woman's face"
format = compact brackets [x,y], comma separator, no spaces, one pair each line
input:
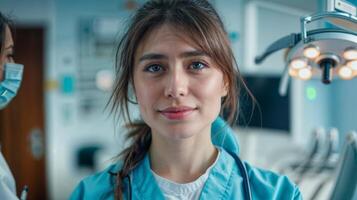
[6,55]
[178,87]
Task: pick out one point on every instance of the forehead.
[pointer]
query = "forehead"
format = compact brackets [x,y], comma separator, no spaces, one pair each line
[166,37]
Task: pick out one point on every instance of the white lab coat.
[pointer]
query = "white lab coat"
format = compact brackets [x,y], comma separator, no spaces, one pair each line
[7,181]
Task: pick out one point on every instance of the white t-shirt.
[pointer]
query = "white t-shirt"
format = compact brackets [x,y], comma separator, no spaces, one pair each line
[188,191]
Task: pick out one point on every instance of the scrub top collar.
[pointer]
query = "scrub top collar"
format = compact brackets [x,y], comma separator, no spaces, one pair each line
[223,136]
[143,182]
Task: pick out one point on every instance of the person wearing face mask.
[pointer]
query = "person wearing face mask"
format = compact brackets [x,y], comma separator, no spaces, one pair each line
[10,80]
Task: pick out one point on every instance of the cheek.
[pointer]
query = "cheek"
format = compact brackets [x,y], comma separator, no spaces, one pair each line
[146,94]
[211,88]
[209,92]
[143,99]
[147,98]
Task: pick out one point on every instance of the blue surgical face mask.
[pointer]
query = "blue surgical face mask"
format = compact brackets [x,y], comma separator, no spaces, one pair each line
[11,83]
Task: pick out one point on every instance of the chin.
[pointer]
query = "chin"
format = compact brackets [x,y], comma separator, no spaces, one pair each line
[180,131]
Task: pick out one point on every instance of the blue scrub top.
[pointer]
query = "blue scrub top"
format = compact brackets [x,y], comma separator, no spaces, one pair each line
[224,181]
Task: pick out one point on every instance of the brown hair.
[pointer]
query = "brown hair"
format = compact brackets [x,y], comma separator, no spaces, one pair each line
[199,20]
[4,22]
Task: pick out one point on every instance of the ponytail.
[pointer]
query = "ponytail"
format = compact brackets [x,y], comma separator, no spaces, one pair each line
[141,136]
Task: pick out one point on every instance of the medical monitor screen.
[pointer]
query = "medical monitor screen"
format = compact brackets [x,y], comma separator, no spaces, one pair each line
[271,111]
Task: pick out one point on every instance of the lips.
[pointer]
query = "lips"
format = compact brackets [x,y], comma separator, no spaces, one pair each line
[177,113]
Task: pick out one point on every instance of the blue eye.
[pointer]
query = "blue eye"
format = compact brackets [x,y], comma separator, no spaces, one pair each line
[198,66]
[153,68]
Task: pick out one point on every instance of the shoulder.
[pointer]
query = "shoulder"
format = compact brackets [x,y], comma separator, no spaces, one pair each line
[7,182]
[97,186]
[266,183]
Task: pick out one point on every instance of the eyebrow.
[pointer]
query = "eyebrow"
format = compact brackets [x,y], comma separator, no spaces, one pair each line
[10,47]
[156,56]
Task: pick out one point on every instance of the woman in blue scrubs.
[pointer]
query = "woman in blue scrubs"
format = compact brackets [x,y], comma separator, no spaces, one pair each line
[176,64]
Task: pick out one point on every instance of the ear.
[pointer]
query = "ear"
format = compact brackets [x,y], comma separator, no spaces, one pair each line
[225,89]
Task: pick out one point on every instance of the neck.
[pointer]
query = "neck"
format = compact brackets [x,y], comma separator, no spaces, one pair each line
[184,160]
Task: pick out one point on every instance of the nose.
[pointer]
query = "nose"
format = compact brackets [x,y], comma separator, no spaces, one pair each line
[176,84]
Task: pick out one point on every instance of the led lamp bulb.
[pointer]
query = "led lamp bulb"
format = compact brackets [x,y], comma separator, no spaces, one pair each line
[345,73]
[350,54]
[352,64]
[305,74]
[298,63]
[311,51]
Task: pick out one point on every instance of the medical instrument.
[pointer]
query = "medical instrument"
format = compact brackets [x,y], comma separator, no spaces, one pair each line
[242,170]
[331,146]
[316,143]
[24,192]
[325,162]
[325,51]
[318,138]
[346,176]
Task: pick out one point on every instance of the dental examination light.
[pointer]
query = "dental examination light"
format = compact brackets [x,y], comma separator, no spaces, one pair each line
[327,52]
